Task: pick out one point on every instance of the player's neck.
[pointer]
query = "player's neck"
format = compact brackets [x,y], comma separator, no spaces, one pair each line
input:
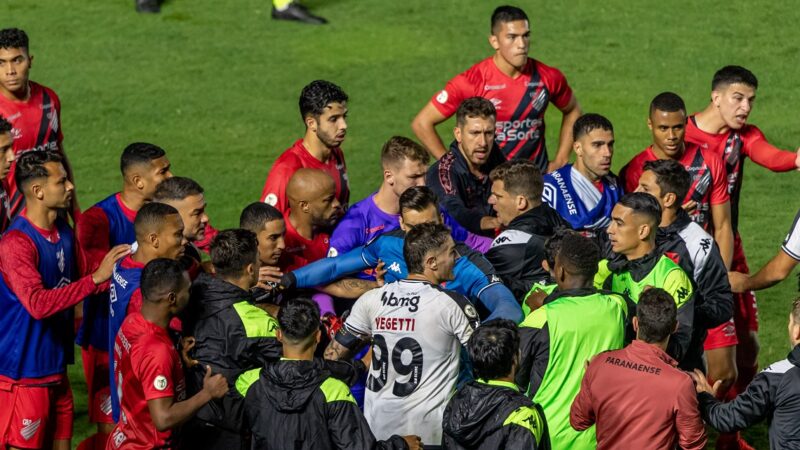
[40,215]
[572,282]
[506,68]
[143,254]
[386,200]
[243,282]
[22,95]
[131,199]
[299,352]
[473,169]
[660,345]
[588,174]
[643,249]
[710,121]
[303,227]
[316,147]
[668,216]
[155,314]
[429,277]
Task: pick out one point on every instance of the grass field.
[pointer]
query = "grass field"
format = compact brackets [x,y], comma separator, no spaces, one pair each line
[216,84]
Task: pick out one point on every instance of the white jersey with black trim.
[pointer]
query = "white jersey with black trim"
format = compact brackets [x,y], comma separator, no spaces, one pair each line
[791,245]
[417,330]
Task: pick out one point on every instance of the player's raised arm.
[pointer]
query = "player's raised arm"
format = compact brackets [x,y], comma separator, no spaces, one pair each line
[424,126]
[572,111]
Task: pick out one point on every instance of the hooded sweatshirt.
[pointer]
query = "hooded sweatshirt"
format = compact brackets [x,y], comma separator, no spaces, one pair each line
[299,405]
[493,414]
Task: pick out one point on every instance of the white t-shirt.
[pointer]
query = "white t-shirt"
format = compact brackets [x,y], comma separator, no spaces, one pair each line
[791,245]
[417,330]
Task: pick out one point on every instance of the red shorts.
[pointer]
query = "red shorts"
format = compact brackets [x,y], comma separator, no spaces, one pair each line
[745,310]
[721,336]
[96,371]
[32,416]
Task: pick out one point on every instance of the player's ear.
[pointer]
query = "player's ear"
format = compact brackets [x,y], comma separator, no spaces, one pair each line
[279,335]
[650,124]
[457,133]
[670,199]
[388,176]
[431,263]
[546,266]
[318,336]
[522,203]
[576,146]
[493,41]
[152,238]
[172,300]
[37,189]
[635,323]
[644,232]
[311,122]
[304,206]
[716,97]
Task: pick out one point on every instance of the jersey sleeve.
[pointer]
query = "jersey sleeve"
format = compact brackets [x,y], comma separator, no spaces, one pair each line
[791,245]
[765,154]
[581,413]
[679,286]
[560,91]
[347,235]
[464,320]
[629,175]
[153,366]
[274,192]
[689,424]
[455,91]
[719,181]
[359,322]
[534,340]
[92,233]
[19,262]
[57,103]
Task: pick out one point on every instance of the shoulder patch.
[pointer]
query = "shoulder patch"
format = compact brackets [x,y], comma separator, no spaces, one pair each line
[528,418]
[780,367]
[698,243]
[336,391]
[271,199]
[510,237]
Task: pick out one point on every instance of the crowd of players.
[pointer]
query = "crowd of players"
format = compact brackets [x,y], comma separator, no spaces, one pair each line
[493,299]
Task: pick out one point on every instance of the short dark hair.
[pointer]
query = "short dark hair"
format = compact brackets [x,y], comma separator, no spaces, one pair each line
[579,255]
[667,102]
[552,246]
[151,216]
[257,214]
[176,188]
[232,250]
[657,315]
[506,13]
[732,75]
[588,123]
[13,38]
[5,126]
[160,277]
[30,166]
[299,319]
[671,176]
[421,240]
[139,153]
[417,198]
[474,107]
[317,95]
[399,148]
[644,204]
[492,348]
[520,177]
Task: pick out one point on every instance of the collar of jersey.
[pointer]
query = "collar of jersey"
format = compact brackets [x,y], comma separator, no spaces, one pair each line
[499,383]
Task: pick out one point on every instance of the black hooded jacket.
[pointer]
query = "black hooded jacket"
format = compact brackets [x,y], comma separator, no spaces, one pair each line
[493,415]
[774,394]
[517,253]
[232,336]
[299,405]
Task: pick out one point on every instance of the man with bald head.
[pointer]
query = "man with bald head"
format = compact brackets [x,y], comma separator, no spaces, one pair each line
[159,234]
[313,210]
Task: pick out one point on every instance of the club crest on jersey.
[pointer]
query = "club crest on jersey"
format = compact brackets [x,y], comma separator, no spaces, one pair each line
[442,97]
[271,199]
[392,300]
[470,311]
[160,382]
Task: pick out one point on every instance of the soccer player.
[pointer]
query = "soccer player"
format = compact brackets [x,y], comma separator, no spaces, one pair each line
[231,335]
[518,251]
[6,159]
[418,318]
[519,87]
[490,412]
[461,177]
[475,277]
[186,196]
[323,108]
[636,396]
[40,285]
[404,164]
[695,251]
[776,269]
[585,193]
[152,386]
[557,339]
[313,209]
[641,265]
[159,234]
[708,197]
[774,395]
[33,110]
[105,225]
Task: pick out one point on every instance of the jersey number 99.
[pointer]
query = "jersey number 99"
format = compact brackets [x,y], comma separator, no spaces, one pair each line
[381,361]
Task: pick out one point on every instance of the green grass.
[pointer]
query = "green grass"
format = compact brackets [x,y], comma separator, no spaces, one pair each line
[216,84]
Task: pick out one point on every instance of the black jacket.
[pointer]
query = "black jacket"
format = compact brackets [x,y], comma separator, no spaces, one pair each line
[686,243]
[299,405]
[774,394]
[517,253]
[463,195]
[232,336]
[491,416]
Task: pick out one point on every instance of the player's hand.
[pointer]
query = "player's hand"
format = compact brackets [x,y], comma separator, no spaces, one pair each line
[103,272]
[489,223]
[380,273]
[267,274]
[413,442]
[215,385]
[739,282]
[701,383]
[187,344]
[690,206]
[536,299]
